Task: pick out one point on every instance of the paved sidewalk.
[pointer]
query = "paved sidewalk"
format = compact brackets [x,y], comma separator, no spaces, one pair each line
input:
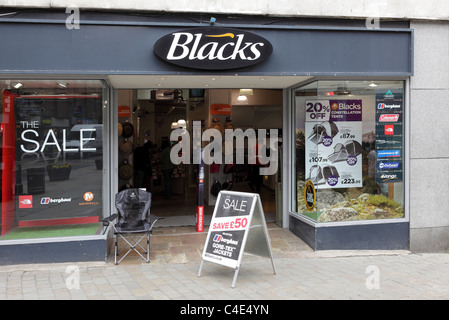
[301,274]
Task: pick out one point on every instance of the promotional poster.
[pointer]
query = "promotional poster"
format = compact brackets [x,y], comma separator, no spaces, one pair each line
[333,145]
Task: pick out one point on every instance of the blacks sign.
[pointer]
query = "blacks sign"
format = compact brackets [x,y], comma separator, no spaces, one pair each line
[211,48]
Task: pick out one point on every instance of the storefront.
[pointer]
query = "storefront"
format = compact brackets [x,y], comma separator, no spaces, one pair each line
[335,91]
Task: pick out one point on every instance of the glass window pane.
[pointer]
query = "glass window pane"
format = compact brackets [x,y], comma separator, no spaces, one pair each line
[349,146]
[52,153]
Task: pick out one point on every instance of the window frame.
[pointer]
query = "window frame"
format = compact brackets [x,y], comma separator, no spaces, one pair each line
[291,183]
[107,111]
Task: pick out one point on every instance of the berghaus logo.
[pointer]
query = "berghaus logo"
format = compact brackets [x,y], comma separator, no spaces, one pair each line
[213,48]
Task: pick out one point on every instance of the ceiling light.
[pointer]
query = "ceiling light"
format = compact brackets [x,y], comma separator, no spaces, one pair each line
[373,85]
[182,123]
[174,125]
[242,99]
[246,92]
[18,85]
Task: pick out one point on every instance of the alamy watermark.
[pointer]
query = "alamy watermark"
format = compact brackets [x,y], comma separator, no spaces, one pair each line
[72,282]
[372,23]
[375,8]
[73,20]
[260,150]
[373,279]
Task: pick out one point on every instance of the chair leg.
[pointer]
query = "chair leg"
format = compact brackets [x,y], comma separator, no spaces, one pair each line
[148,249]
[115,251]
[134,246]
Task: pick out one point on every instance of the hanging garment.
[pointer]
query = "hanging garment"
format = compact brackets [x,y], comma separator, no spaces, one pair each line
[127,130]
[215,189]
[125,171]
[125,148]
[120,129]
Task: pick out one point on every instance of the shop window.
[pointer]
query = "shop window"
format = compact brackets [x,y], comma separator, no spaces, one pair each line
[51,158]
[349,150]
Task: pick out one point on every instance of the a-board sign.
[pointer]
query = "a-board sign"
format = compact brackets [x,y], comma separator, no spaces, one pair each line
[237,226]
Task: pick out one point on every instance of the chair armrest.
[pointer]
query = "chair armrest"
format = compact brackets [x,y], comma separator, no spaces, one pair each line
[154,219]
[109,219]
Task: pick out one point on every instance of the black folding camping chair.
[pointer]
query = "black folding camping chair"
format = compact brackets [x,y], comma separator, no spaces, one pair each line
[133,207]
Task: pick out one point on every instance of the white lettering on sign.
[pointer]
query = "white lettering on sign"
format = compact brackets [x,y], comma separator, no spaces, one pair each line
[31,136]
[235,205]
[211,50]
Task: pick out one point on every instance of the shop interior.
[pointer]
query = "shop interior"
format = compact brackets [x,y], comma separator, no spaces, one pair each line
[148,116]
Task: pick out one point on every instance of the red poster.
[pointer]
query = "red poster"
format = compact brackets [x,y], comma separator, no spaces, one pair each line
[124,112]
[220,109]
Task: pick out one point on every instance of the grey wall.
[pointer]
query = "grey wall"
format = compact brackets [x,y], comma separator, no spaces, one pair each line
[111,48]
[429,129]
[396,9]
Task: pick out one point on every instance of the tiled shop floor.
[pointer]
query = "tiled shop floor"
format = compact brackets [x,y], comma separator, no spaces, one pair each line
[185,244]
